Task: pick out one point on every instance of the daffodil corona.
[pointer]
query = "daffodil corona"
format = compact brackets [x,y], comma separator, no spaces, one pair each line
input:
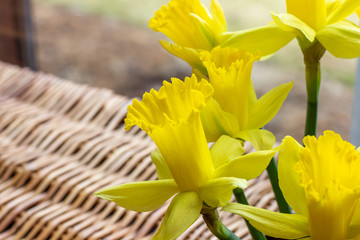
[320,182]
[184,164]
[235,109]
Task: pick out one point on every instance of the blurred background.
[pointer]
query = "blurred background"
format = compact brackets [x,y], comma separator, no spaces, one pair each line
[107,43]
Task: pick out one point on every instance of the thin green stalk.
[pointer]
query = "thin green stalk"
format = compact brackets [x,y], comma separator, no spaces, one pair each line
[272,171]
[213,222]
[274,179]
[312,56]
[241,198]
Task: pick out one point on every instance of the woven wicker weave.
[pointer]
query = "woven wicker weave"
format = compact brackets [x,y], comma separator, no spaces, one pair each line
[59,143]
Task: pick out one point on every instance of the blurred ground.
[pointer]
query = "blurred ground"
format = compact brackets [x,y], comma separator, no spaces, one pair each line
[126,57]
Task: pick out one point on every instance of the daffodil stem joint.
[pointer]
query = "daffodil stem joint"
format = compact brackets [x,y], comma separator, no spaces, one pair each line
[312,56]
[213,222]
[241,198]
[274,179]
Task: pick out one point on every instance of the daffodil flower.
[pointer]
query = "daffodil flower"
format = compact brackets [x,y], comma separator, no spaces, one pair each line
[310,21]
[192,29]
[185,166]
[321,183]
[235,110]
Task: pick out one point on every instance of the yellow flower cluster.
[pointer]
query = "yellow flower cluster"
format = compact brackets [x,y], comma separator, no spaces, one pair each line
[218,104]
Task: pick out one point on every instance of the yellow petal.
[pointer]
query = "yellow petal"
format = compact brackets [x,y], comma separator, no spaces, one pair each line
[331,6]
[289,22]
[218,191]
[218,16]
[217,122]
[260,139]
[289,180]
[247,166]
[268,105]
[132,195]
[226,149]
[272,38]
[341,39]
[162,169]
[189,55]
[342,10]
[183,211]
[279,225]
[204,28]
[312,12]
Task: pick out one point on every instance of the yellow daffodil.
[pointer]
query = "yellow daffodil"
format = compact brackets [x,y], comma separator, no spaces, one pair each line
[321,183]
[188,24]
[310,21]
[235,109]
[185,166]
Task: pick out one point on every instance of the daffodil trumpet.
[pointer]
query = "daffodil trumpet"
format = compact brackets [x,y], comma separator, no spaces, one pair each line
[185,166]
[320,182]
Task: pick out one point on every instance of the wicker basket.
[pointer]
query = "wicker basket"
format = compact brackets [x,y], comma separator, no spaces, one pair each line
[59,143]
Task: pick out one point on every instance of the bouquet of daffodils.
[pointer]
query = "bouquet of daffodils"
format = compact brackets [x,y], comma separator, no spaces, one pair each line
[316,185]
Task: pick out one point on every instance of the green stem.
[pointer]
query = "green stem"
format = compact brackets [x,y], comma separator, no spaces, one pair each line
[274,179]
[241,198]
[213,222]
[311,118]
[312,56]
